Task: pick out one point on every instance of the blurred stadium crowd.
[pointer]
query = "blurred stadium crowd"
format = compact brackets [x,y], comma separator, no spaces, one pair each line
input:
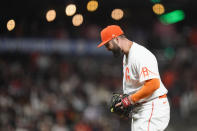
[41,91]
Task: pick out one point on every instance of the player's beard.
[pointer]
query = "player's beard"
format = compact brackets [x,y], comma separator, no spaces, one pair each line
[116,50]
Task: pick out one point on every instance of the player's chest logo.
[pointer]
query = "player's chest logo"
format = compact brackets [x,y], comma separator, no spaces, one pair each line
[127,74]
[130,77]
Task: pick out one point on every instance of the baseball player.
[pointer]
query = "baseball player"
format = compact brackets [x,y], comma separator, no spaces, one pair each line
[141,82]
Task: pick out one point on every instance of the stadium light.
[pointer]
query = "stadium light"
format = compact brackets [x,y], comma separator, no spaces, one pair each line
[77,20]
[70,10]
[117,14]
[92,5]
[10,25]
[172,17]
[50,15]
[158,9]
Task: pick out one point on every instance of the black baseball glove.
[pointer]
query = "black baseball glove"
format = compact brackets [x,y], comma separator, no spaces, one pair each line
[121,110]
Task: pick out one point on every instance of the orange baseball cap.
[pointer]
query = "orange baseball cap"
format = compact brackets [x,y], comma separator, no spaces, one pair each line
[109,33]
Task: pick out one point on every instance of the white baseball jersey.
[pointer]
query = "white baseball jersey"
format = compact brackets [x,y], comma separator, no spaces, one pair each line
[138,66]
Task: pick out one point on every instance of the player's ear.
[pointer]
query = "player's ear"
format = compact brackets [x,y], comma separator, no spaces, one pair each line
[117,40]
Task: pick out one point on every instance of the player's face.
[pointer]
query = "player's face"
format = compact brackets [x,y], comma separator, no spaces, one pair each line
[112,46]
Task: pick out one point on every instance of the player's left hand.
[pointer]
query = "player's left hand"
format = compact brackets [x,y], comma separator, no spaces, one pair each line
[120,105]
[125,102]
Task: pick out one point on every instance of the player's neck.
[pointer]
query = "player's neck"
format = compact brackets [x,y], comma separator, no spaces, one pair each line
[127,47]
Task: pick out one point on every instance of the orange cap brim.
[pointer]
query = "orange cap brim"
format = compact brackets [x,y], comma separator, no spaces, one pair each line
[102,43]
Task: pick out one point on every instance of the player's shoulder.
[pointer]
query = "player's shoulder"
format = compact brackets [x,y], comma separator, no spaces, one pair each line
[141,52]
[139,49]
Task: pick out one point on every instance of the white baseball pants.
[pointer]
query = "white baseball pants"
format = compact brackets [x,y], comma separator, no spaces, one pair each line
[151,116]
